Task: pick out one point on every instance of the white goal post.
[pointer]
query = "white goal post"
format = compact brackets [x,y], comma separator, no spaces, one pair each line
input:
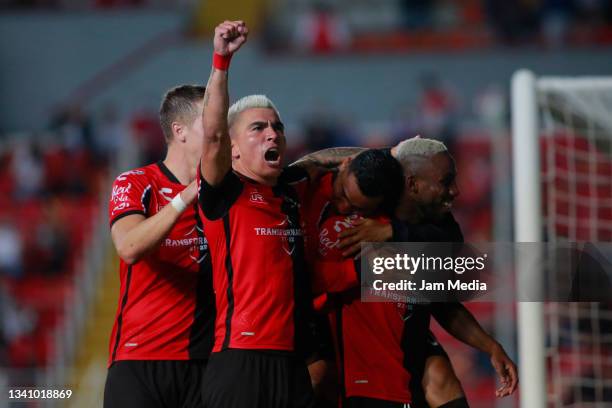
[565,349]
[527,225]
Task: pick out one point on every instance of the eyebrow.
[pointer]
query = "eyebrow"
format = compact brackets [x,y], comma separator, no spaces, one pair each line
[276,124]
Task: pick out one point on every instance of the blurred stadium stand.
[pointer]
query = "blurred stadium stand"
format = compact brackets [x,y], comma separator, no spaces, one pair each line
[82,81]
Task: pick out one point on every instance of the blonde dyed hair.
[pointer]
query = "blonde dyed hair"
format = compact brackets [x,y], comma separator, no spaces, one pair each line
[249,102]
[413,153]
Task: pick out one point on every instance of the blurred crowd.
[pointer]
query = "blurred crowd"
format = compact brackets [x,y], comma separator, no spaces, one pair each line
[468,126]
[325,26]
[82,5]
[51,184]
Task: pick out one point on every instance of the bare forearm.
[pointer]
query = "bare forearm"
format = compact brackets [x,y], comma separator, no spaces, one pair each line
[331,157]
[216,154]
[461,324]
[216,104]
[134,236]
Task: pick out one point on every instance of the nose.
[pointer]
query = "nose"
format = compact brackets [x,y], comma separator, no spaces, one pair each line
[453,190]
[271,133]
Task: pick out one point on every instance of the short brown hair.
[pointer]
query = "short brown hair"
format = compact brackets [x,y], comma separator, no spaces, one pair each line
[180,104]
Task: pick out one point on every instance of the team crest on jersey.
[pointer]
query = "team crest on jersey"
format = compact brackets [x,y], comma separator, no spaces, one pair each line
[404,310]
[198,252]
[288,230]
[195,240]
[294,231]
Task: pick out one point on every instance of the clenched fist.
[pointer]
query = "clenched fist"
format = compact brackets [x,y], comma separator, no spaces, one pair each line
[229,37]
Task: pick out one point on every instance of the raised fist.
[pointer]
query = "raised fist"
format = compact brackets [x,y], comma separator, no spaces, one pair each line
[229,37]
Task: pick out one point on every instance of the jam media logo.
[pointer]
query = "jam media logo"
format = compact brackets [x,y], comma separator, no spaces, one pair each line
[256,197]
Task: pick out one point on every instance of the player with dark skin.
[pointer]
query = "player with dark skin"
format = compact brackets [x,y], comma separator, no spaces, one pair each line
[430,190]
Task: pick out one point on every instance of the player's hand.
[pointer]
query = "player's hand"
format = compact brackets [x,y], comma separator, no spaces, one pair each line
[229,37]
[506,371]
[364,230]
[190,192]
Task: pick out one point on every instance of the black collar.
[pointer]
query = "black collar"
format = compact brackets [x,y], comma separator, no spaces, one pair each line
[164,169]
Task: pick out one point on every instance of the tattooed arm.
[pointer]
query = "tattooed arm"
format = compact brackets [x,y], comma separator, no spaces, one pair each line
[331,157]
[319,162]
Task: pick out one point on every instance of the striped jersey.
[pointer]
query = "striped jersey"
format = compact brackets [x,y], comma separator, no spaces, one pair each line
[166,303]
[256,237]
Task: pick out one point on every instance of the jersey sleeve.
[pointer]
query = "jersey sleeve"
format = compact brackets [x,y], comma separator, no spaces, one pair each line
[130,195]
[216,201]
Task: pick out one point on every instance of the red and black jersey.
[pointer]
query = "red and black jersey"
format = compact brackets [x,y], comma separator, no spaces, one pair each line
[166,303]
[373,339]
[328,275]
[381,347]
[256,237]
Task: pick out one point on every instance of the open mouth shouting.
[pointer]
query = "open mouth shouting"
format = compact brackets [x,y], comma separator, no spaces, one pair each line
[272,156]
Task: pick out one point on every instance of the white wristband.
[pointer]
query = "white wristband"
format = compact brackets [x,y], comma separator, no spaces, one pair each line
[178,203]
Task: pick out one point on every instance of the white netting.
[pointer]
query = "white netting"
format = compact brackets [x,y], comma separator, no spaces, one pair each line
[576,157]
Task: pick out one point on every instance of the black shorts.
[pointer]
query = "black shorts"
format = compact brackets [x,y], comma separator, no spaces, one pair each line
[363,402]
[154,384]
[256,379]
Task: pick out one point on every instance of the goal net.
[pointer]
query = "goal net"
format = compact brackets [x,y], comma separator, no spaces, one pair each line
[571,124]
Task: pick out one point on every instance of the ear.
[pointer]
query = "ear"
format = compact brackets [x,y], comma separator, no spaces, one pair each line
[178,132]
[235,151]
[411,184]
[394,151]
